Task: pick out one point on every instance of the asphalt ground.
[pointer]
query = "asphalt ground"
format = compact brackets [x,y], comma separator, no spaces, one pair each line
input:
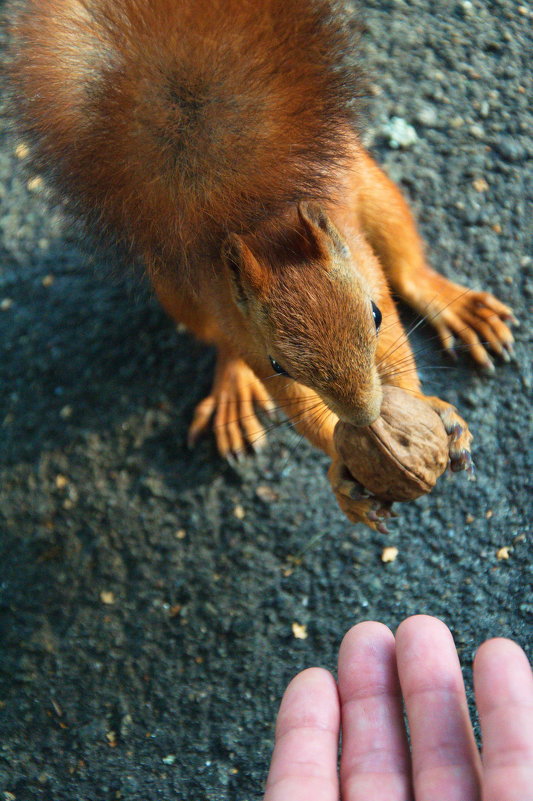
[147,593]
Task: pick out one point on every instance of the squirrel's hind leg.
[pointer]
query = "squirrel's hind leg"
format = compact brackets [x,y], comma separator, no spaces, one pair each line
[456,312]
[236,394]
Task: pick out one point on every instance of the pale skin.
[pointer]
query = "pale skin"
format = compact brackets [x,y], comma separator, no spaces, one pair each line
[377,671]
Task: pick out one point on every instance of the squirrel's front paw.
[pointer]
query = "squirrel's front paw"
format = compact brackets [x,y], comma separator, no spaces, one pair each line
[356,502]
[459,436]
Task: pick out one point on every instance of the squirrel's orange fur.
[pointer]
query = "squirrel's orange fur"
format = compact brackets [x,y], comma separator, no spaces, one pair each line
[218,141]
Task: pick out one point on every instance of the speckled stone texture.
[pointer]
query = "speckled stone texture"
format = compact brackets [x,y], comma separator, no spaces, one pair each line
[148,593]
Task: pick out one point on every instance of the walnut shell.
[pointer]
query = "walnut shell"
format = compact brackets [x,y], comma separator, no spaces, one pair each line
[402,454]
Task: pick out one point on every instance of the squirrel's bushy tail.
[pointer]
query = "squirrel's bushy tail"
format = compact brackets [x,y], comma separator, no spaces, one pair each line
[170,122]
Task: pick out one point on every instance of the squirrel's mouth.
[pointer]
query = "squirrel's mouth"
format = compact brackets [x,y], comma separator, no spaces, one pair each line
[358,414]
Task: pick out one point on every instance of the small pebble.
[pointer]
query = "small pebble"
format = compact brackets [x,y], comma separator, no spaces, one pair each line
[266,493]
[239,512]
[22,150]
[477,131]
[427,116]
[400,133]
[111,738]
[299,631]
[6,304]
[35,184]
[48,280]
[480,185]
[509,149]
[503,553]
[389,554]
[107,597]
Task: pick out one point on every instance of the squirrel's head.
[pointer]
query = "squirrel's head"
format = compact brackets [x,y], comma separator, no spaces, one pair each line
[310,310]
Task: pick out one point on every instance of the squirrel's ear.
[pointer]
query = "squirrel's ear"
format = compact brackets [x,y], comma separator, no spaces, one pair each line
[322,239]
[248,278]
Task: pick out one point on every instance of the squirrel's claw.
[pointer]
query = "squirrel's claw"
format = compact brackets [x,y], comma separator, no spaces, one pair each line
[357,503]
[459,436]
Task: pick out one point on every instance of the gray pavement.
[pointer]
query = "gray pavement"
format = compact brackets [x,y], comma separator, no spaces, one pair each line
[147,594]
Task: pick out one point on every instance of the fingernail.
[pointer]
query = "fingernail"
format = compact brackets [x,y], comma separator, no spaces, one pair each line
[382,528]
[488,367]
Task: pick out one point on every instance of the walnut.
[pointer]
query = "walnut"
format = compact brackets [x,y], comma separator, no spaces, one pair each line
[402,454]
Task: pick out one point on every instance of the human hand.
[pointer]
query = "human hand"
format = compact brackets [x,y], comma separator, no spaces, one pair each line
[420,664]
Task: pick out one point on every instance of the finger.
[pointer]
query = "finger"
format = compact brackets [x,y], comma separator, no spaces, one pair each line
[263,399]
[488,300]
[227,427]
[446,763]
[304,762]
[475,348]
[202,415]
[375,756]
[485,329]
[446,337]
[504,695]
[219,427]
[254,431]
[502,331]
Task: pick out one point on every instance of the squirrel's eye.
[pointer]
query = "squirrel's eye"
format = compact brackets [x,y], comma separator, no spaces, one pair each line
[278,368]
[377,316]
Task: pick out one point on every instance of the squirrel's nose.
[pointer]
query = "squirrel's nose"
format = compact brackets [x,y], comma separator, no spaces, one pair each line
[357,410]
[364,416]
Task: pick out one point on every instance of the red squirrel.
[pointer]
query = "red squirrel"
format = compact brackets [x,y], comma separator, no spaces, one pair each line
[219,142]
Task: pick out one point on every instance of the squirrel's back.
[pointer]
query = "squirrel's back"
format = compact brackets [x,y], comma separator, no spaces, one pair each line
[168,124]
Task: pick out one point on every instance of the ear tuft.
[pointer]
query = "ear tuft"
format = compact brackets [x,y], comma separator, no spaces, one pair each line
[248,277]
[231,252]
[312,213]
[322,239]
